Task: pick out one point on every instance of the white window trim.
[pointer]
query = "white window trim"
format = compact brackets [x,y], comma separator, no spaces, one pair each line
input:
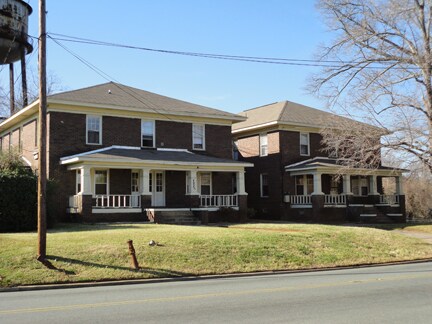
[260,144]
[204,137]
[100,129]
[211,182]
[154,132]
[261,185]
[308,144]
[108,180]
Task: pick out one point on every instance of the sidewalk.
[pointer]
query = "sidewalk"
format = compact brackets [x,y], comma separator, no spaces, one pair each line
[420,235]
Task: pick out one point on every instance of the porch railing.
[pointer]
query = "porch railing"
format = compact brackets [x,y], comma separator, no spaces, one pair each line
[117,201]
[389,199]
[335,199]
[299,199]
[218,200]
[74,201]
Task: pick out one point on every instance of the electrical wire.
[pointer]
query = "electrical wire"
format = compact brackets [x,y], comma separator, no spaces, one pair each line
[253,59]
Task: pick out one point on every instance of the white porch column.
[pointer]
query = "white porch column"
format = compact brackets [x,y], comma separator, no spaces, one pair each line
[373,185]
[317,184]
[86,187]
[399,185]
[145,182]
[241,183]
[346,182]
[193,184]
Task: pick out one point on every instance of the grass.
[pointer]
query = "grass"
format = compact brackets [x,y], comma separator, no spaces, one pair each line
[99,252]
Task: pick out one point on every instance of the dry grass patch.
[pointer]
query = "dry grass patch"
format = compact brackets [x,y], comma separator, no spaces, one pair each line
[99,252]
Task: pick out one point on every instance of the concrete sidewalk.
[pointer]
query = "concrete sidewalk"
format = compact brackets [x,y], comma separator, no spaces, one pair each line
[420,235]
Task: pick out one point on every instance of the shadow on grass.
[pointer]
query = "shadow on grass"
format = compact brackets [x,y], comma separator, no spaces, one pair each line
[86,227]
[155,272]
[388,227]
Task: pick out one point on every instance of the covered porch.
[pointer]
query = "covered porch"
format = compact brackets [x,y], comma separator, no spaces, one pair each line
[117,182]
[320,190]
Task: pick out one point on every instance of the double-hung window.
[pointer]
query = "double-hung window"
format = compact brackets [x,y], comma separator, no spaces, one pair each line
[147,133]
[304,144]
[198,137]
[101,182]
[94,130]
[205,185]
[264,184]
[263,141]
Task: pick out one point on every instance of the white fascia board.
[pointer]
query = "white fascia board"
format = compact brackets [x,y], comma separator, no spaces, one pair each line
[254,127]
[19,116]
[137,162]
[334,170]
[144,110]
[174,150]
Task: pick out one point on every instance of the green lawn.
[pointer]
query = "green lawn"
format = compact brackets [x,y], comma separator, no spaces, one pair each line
[99,252]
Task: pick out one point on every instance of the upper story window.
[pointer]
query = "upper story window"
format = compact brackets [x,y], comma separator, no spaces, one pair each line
[263,145]
[304,144]
[147,133]
[198,137]
[94,130]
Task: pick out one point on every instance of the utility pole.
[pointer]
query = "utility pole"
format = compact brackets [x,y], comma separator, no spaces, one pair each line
[42,165]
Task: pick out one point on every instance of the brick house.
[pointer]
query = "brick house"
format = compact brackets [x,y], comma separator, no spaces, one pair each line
[292,180]
[120,153]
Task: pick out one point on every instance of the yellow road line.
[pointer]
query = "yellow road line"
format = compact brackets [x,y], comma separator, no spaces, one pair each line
[210,295]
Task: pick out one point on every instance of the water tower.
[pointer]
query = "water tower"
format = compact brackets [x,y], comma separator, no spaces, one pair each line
[14,42]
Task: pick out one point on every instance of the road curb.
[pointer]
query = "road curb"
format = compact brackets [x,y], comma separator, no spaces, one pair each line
[203,277]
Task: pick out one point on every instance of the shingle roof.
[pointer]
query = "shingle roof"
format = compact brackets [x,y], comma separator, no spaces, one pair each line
[136,155]
[118,95]
[287,112]
[320,161]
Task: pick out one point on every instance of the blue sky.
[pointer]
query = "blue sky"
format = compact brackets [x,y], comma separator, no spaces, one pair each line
[271,28]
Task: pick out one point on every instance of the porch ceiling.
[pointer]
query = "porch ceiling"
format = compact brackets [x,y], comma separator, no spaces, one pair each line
[331,166]
[137,157]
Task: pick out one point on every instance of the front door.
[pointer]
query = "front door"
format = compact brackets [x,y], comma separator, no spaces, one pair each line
[158,190]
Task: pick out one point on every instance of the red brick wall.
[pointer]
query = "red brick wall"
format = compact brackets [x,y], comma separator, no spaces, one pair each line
[120,181]
[29,142]
[222,183]
[175,189]
[5,142]
[15,138]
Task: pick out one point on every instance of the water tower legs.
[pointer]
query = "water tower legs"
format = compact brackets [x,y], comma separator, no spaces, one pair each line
[12,88]
[24,77]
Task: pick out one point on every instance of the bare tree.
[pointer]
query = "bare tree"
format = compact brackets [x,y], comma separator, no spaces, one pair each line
[379,69]
[53,85]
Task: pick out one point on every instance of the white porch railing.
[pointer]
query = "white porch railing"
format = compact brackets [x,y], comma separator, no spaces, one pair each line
[218,200]
[118,201]
[299,199]
[74,201]
[389,199]
[335,199]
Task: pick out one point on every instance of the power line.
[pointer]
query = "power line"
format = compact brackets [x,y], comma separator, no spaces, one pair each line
[116,83]
[253,59]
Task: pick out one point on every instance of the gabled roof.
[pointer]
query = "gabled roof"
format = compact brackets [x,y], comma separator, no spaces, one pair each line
[287,113]
[118,95]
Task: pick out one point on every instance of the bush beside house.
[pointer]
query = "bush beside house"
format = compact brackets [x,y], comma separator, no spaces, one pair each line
[18,195]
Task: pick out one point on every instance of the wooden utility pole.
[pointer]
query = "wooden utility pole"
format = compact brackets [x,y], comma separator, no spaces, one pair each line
[42,165]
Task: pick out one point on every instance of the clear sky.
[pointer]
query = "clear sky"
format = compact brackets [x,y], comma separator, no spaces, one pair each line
[268,28]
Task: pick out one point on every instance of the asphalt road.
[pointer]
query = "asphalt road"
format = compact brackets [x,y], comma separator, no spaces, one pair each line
[390,294]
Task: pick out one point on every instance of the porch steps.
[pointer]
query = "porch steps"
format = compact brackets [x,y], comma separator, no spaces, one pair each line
[178,217]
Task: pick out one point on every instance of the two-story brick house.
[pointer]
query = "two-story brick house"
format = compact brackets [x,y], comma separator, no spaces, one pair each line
[120,153]
[292,179]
